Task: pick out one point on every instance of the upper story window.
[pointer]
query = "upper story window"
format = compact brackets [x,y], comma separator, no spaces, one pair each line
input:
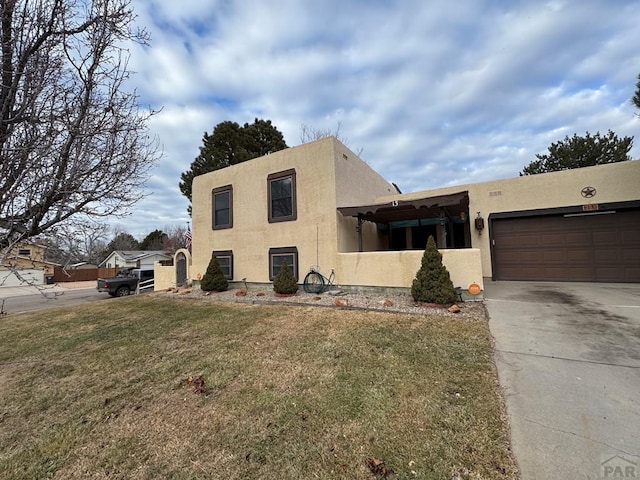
[24,252]
[223,207]
[282,196]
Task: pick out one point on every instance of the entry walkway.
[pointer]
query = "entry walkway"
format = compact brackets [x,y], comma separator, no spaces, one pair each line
[568,359]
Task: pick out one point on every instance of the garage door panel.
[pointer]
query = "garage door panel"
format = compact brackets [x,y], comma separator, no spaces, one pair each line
[631,255]
[606,238]
[631,237]
[603,248]
[524,257]
[573,256]
[552,238]
[606,255]
[553,256]
[525,240]
[571,238]
[607,274]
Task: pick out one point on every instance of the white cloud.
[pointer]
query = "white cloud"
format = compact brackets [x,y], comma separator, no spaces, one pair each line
[433,95]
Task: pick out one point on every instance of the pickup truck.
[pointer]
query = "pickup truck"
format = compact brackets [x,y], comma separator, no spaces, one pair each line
[125,283]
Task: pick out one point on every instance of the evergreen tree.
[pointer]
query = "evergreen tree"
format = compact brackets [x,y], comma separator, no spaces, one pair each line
[154,241]
[578,152]
[123,241]
[213,279]
[636,96]
[285,282]
[433,283]
[229,144]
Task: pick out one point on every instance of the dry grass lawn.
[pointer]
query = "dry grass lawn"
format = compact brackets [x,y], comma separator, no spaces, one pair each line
[101,392]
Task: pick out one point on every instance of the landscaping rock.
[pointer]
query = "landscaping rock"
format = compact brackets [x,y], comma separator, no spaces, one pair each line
[341,302]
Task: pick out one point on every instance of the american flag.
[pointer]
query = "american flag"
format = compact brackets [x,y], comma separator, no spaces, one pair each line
[187,239]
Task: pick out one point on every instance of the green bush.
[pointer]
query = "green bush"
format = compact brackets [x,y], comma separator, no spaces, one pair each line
[433,283]
[285,282]
[213,279]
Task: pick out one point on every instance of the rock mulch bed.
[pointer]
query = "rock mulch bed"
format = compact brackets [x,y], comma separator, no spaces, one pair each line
[400,303]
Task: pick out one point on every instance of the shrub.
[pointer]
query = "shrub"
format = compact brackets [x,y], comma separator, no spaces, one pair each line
[213,279]
[433,283]
[285,282]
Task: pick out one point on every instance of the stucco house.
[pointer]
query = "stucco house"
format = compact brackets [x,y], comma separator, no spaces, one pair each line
[319,204]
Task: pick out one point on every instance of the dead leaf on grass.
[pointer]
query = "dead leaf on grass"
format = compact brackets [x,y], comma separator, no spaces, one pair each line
[197,385]
[378,467]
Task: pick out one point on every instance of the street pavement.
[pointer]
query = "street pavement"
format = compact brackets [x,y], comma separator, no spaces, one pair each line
[31,298]
[568,360]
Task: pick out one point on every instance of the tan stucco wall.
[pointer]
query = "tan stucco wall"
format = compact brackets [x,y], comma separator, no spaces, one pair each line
[324,180]
[164,277]
[613,182]
[356,183]
[398,268]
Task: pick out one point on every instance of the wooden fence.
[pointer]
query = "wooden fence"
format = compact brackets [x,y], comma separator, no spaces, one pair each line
[82,275]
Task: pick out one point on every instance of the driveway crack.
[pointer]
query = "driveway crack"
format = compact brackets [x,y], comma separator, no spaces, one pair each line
[618,449]
[553,357]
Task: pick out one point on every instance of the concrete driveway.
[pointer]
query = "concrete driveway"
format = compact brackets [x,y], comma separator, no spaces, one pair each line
[568,359]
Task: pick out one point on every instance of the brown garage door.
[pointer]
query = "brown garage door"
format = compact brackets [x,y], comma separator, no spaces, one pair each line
[589,248]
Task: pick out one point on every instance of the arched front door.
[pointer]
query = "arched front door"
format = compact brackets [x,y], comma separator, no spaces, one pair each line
[181,270]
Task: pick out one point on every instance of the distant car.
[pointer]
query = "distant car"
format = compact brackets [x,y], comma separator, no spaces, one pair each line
[124,283]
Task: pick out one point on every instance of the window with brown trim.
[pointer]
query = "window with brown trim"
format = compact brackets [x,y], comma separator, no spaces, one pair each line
[225,260]
[222,200]
[278,255]
[281,189]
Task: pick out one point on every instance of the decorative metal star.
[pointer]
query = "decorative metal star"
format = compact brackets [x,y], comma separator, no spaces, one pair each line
[588,192]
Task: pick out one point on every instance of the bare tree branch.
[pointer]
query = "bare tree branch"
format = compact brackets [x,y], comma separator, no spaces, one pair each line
[73,141]
[309,134]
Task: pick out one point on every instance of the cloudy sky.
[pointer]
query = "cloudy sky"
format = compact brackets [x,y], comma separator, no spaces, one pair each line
[432,93]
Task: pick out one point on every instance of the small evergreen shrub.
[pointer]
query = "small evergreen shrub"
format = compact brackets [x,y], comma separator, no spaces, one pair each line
[213,279]
[285,282]
[433,283]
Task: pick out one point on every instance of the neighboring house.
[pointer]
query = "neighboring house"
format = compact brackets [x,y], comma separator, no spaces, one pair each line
[319,204]
[134,258]
[28,259]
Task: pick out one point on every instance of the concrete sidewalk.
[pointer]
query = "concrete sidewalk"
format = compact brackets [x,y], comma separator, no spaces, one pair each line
[568,359]
[9,292]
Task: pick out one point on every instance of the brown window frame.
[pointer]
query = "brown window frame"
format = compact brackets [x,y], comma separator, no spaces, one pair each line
[217,191]
[225,254]
[273,177]
[282,251]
